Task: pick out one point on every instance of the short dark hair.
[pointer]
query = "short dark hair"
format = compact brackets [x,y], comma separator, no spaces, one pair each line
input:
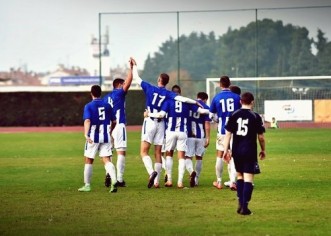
[176,87]
[117,82]
[247,98]
[225,81]
[202,95]
[96,91]
[235,89]
[164,78]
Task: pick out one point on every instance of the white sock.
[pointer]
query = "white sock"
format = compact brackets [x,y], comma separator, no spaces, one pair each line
[189,165]
[148,164]
[219,169]
[198,167]
[120,165]
[110,168]
[158,169]
[181,170]
[233,172]
[169,164]
[88,171]
[163,163]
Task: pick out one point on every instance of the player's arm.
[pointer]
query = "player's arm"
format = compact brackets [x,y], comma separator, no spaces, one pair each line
[187,100]
[128,81]
[135,74]
[87,124]
[213,117]
[203,111]
[261,139]
[207,130]
[158,115]
[226,143]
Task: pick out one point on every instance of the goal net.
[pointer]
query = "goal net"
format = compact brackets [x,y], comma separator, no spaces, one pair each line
[300,101]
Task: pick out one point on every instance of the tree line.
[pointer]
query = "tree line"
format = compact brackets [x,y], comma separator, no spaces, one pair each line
[262,48]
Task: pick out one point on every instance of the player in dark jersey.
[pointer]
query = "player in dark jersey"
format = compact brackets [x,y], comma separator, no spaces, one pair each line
[246,127]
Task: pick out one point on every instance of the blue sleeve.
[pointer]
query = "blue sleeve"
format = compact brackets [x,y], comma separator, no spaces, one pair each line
[87,114]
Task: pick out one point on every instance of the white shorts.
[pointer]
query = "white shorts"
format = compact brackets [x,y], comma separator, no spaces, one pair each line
[176,140]
[195,147]
[220,142]
[91,150]
[120,137]
[153,131]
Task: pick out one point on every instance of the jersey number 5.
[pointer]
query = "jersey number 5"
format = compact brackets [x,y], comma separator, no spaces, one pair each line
[102,114]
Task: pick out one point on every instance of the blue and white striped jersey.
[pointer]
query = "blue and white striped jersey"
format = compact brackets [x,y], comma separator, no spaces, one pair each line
[196,122]
[224,104]
[101,115]
[177,114]
[116,99]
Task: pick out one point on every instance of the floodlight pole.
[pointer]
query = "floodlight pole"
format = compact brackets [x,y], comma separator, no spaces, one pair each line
[100,64]
[178,51]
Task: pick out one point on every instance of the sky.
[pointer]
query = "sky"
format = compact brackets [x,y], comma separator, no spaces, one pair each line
[37,35]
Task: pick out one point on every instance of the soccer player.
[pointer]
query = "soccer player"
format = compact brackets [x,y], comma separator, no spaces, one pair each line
[176,135]
[223,105]
[198,138]
[153,128]
[231,168]
[116,99]
[98,125]
[245,127]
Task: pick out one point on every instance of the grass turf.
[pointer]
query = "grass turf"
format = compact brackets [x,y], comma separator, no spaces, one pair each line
[41,172]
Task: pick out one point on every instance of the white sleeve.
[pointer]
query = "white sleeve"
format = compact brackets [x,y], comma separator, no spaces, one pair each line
[203,111]
[160,114]
[135,74]
[185,99]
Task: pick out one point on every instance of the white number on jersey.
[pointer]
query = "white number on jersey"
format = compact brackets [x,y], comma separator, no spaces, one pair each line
[178,107]
[102,115]
[242,127]
[110,101]
[156,95]
[227,104]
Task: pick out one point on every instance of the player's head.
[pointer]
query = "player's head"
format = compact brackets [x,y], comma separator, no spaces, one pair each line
[118,82]
[96,91]
[176,89]
[202,96]
[225,81]
[247,98]
[163,79]
[235,89]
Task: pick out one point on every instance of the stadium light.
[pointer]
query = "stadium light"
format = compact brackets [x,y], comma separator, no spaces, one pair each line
[300,91]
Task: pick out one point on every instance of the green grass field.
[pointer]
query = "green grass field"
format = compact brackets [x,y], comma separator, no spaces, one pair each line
[41,172]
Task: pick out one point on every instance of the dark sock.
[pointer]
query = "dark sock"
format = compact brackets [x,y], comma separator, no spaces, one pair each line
[247,194]
[240,191]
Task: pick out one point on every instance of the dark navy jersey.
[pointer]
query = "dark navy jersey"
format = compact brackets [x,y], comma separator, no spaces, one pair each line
[101,115]
[245,125]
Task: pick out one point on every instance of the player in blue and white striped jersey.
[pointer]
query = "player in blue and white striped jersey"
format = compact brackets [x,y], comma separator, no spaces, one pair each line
[198,139]
[176,133]
[116,99]
[153,128]
[223,105]
[99,122]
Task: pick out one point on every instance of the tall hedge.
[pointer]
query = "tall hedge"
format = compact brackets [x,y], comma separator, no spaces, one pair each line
[58,108]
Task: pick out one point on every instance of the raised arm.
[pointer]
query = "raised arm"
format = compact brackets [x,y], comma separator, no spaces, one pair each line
[135,71]
[128,81]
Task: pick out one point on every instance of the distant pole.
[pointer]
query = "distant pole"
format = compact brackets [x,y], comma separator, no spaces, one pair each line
[178,51]
[100,64]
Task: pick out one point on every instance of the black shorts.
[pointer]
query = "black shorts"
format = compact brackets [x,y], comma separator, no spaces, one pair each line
[246,166]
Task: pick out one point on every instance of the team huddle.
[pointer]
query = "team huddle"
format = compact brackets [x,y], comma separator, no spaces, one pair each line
[176,123]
